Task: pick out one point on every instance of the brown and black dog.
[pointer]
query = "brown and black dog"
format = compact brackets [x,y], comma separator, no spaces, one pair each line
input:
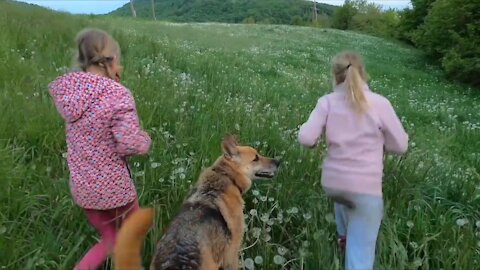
[207,233]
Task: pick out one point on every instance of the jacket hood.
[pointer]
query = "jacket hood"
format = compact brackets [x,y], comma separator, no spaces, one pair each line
[74,92]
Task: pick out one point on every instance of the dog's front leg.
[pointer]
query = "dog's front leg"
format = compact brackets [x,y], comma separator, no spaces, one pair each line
[232,266]
[231,261]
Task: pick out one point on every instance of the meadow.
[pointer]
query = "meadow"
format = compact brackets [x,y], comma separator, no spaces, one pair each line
[193,83]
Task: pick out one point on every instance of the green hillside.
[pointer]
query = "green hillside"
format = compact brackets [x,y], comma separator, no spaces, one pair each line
[195,82]
[228,11]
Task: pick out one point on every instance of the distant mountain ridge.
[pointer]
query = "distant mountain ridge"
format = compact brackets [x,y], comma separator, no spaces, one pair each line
[229,11]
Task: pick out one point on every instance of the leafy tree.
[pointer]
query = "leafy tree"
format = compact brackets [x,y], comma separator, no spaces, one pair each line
[249,20]
[391,22]
[323,20]
[451,34]
[412,19]
[368,18]
[297,20]
[359,15]
[343,17]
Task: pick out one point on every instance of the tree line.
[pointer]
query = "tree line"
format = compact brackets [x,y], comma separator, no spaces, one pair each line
[295,12]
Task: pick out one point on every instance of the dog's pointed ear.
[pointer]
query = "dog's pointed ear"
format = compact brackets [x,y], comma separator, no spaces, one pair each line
[229,146]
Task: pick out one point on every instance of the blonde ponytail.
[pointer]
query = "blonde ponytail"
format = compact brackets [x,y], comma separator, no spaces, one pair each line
[354,83]
[348,68]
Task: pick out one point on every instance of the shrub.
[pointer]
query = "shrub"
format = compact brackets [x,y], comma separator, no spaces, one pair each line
[451,34]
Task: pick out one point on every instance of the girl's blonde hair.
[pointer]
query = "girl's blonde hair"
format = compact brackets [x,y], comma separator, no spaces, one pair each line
[96,48]
[348,67]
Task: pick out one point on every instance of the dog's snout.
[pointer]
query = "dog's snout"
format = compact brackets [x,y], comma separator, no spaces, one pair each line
[277,162]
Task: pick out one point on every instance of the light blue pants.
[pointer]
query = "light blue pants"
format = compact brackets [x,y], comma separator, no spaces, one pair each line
[358,217]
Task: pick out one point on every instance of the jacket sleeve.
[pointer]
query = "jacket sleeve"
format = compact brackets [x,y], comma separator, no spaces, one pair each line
[396,139]
[311,130]
[130,139]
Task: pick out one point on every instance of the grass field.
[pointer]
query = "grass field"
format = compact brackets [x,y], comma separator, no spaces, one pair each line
[195,82]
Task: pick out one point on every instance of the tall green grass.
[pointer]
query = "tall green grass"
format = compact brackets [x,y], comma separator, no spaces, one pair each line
[195,82]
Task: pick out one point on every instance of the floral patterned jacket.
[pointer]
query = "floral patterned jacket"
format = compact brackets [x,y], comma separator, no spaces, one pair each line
[102,129]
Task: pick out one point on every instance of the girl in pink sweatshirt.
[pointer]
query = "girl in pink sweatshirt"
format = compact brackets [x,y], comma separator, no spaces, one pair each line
[102,129]
[359,126]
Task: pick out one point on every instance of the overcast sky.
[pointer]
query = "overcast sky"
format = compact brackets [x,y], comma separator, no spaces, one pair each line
[105,6]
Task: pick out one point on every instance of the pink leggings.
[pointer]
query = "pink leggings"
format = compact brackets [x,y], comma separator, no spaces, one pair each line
[107,223]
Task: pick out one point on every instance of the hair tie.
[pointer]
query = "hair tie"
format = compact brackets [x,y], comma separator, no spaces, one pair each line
[99,60]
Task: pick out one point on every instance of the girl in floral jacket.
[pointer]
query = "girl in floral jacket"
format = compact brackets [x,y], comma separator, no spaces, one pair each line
[102,129]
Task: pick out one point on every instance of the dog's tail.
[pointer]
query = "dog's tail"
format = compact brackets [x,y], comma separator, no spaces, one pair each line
[127,251]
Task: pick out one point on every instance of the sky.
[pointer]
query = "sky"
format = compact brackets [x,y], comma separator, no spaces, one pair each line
[80,6]
[105,6]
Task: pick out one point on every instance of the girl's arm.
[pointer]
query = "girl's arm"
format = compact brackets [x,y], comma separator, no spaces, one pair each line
[129,137]
[311,130]
[396,139]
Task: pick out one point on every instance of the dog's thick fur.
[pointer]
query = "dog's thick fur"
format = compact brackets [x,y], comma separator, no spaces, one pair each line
[207,233]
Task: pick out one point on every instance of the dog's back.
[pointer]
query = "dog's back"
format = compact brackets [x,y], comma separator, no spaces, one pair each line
[198,228]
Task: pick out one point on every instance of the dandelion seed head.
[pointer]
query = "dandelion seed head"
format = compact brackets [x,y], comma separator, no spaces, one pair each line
[330,218]
[249,264]
[258,260]
[282,250]
[267,237]
[256,232]
[278,260]
[264,218]
[410,224]
[462,222]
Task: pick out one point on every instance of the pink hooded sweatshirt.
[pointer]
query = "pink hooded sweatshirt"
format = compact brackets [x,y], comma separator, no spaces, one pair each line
[102,129]
[354,162]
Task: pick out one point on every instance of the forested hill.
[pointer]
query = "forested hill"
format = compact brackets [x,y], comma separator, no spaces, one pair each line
[229,11]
